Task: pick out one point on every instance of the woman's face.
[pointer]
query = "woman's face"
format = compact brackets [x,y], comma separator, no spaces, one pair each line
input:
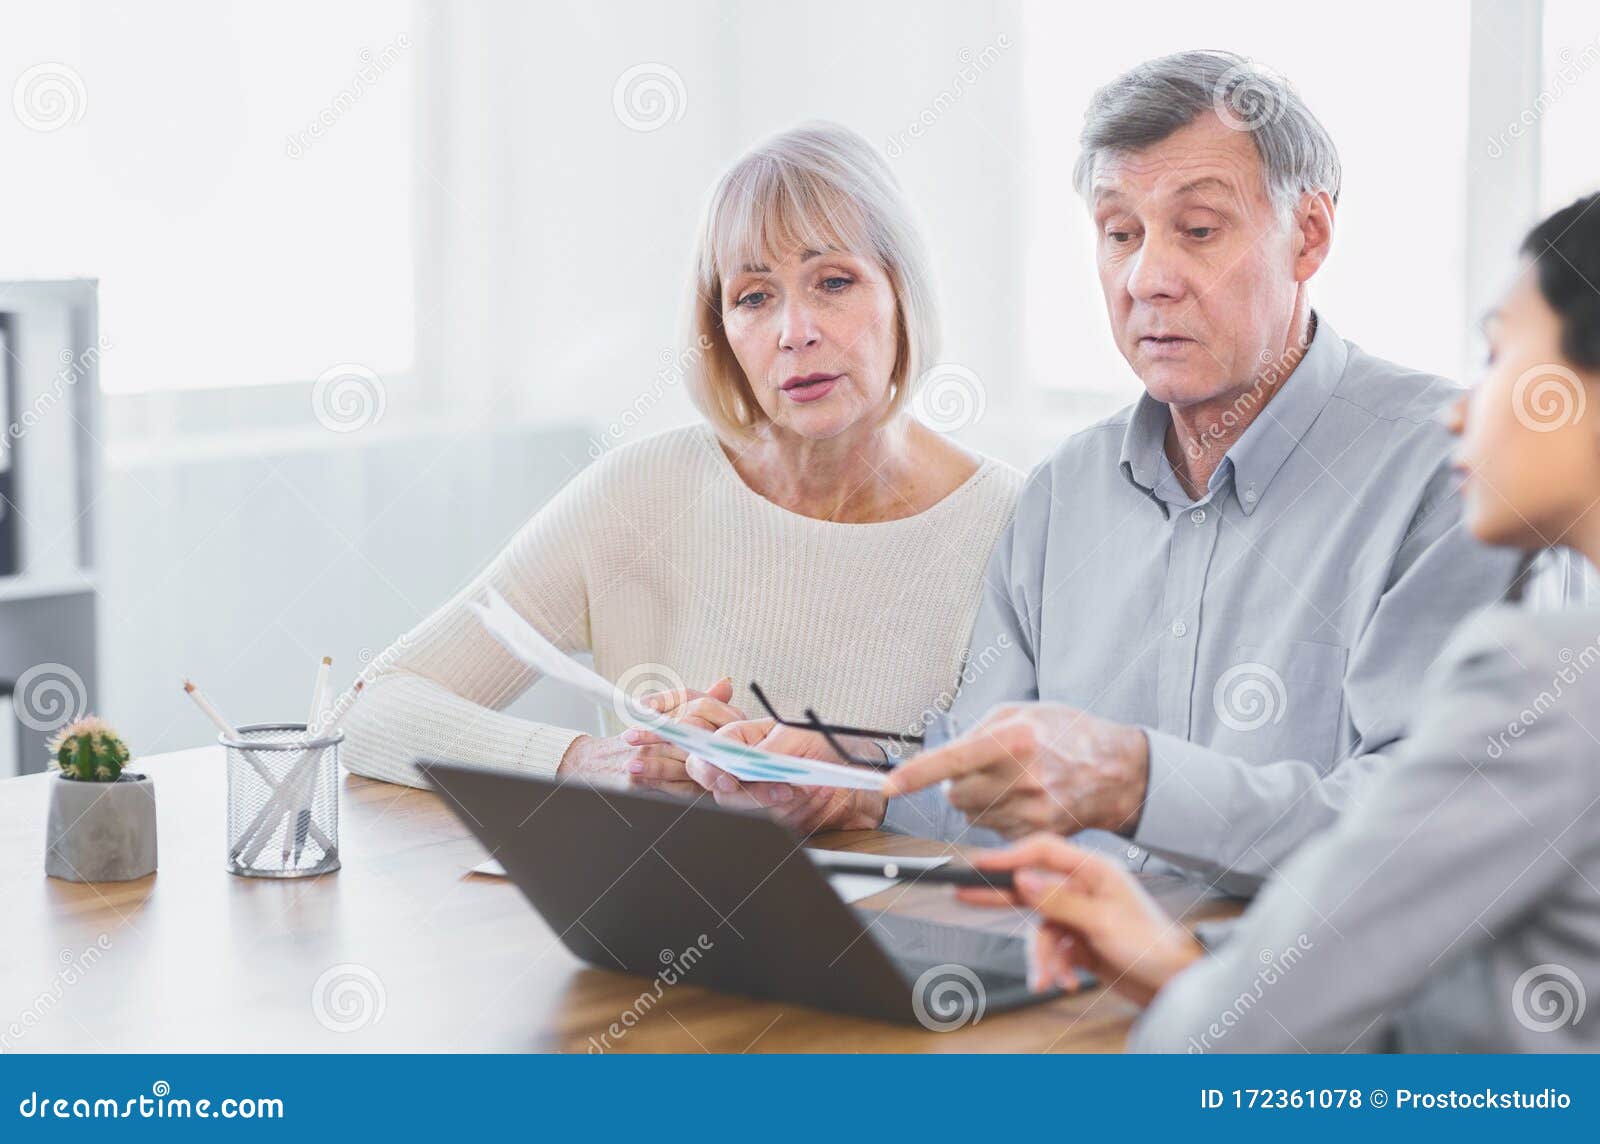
[815,335]
[1529,450]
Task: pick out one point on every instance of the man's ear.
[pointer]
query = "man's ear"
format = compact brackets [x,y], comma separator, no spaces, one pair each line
[1313,222]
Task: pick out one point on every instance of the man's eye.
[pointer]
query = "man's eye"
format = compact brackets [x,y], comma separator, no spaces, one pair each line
[1120,237]
[1202,231]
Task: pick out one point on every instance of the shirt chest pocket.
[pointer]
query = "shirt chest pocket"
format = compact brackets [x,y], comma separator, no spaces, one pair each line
[1283,699]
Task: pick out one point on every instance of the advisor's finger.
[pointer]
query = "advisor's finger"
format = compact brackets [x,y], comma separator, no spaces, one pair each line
[1055,897]
[986,896]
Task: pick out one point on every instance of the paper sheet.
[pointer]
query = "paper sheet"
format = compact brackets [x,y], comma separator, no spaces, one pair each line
[849,887]
[749,764]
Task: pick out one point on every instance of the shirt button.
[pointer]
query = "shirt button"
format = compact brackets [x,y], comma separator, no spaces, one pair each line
[1198,516]
[1133,853]
[1250,495]
[1179,628]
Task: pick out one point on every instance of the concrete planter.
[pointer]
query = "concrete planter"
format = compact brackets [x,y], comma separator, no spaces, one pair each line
[101,832]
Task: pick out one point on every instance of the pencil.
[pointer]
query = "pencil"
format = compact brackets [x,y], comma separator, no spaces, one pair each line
[209,708]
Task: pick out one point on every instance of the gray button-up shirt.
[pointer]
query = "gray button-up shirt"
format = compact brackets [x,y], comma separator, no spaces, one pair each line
[1269,636]
[1455,909]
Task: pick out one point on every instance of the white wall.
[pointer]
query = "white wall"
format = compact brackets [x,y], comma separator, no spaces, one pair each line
[241,571]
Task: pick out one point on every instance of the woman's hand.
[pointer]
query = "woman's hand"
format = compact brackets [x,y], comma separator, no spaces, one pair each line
[707,710]
[804,810]
[645,760]
[1093,915]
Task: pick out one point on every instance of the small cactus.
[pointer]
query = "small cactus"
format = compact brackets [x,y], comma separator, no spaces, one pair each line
[89,750]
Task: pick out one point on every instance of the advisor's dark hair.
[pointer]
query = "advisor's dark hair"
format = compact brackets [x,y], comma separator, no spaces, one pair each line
[1566,251]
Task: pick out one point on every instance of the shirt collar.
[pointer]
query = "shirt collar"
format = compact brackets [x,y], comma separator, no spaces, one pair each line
[1255,458]
[1144,457]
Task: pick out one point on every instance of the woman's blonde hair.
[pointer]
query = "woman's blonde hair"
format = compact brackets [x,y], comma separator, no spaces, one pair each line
[819,187]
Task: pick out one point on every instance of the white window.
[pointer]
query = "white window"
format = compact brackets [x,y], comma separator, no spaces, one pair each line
[236,174]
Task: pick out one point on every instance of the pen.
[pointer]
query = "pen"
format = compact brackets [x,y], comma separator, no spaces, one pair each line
[949,874]
[302,818]
[208,707]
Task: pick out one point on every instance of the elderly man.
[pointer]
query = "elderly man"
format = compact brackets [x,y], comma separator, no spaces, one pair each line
[1204,628]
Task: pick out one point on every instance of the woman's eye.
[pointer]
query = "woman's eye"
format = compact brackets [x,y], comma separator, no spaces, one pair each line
[752,299]
[835,283]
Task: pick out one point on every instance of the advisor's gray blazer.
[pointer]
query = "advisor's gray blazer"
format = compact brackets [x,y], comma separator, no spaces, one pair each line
[1457,907]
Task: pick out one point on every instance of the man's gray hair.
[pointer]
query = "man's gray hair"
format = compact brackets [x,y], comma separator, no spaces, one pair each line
[1155,99]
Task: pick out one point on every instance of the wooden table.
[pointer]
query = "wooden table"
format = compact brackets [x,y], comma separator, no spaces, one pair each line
[195,959]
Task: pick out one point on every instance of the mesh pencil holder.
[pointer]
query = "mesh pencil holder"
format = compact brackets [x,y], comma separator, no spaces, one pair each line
[283,801]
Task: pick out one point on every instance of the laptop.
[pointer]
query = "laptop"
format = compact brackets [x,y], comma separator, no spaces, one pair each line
[635,881]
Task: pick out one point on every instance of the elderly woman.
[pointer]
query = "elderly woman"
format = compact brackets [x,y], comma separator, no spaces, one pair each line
[811,536]
[1458,906]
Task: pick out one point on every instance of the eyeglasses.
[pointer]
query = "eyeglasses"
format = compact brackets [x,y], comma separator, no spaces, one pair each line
[831,731]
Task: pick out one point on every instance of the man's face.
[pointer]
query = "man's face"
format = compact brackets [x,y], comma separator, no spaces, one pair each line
[1200,270]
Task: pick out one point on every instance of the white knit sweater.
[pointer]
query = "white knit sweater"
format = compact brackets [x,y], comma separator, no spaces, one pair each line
[660,560]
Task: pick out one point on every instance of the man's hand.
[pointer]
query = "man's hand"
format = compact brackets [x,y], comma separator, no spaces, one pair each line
[804,810]
[1038,766]
[1094,916]
[642,759]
